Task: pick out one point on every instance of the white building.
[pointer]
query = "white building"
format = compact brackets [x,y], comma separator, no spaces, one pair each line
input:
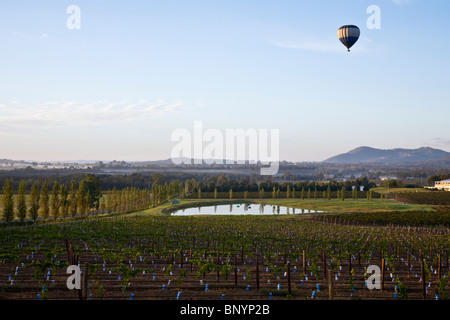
[443,185]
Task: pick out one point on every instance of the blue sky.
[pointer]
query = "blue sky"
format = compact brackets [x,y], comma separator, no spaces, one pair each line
[138,70]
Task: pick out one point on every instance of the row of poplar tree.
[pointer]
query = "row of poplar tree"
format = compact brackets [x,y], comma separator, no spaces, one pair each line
[80,200]
[276,193]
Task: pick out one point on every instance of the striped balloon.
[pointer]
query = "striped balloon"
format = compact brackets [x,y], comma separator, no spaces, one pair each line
[348,35]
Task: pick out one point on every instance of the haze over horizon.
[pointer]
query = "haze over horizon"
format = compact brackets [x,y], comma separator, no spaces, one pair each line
[136,71]
[348,152]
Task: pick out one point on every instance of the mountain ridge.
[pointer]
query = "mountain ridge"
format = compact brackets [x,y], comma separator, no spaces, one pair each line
[365,154]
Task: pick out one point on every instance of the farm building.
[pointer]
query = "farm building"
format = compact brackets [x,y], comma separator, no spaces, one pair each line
[443,185]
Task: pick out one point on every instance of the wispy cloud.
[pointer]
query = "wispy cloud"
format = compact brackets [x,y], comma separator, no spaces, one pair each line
[74,113]
[307,45]
[9,35]
[401,1]
[316,45]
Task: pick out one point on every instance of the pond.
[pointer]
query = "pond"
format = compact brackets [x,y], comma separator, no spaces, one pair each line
[241,209]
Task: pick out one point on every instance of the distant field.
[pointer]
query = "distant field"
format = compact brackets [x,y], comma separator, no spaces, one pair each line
[385,190]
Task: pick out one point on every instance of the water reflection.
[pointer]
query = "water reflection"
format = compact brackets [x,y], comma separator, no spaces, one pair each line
[241,209]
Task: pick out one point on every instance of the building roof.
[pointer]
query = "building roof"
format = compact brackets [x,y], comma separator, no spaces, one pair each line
[448,180]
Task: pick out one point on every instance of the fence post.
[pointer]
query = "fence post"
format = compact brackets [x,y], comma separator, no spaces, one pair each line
[439,266]
[289,277]
[181,257]
[330,285]
[217,262]
[235,271]
[349,264]
[422,265]
[257,273]
[409,264]
[190,258]
[304,262]
[85,280]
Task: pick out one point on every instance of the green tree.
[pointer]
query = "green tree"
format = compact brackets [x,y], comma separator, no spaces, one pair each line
[64,203]
[54,201]
[21,202]
[116,201]
[8,200]
[87,203]
[34,202]
[44,200]
[215,193]
[93,185]
[81,197]
[231,193]
[102,206]
[329,193]
[109,202]
[73,199]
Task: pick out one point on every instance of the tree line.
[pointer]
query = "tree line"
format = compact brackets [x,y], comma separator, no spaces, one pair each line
[209,181]
[223,183]
[276,193]
[77,200]
[438,177]
[107,182]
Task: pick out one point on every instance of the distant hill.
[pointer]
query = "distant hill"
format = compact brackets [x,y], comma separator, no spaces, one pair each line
[373,155]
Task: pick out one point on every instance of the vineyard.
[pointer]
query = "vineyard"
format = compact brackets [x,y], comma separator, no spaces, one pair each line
[433,198]
[223,257]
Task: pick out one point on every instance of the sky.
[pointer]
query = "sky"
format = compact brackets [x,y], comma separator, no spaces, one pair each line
[136,71]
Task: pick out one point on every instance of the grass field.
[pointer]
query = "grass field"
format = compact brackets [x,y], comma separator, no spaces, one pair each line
[331,206]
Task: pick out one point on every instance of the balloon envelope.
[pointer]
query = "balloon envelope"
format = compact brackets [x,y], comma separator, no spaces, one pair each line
[348,35]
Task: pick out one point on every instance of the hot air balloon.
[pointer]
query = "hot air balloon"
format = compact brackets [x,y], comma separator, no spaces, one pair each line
[348,35]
